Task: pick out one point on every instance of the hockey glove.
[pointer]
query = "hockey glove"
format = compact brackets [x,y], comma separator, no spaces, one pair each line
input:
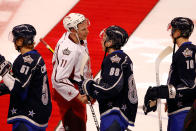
[5,66]
[162,91]
[154,93]
[150,101]
[86,87]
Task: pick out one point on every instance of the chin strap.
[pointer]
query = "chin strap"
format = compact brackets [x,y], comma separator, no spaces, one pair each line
[174,47]
[18,48]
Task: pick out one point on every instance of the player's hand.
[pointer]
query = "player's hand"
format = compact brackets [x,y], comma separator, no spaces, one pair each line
[5,66]
[86,87]
[150,106]
[82,98]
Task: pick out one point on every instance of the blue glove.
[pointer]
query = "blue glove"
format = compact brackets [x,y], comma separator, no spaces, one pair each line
[5,66]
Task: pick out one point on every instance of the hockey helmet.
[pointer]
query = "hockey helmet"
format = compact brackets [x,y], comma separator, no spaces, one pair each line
[118,36]
[185,25]
[72,20]
[25,31]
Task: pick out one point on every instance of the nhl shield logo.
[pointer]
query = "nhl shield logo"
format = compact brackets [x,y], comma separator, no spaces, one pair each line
[66,51]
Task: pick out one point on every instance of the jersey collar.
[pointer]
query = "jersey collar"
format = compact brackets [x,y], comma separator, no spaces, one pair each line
[186,43]
[118,51]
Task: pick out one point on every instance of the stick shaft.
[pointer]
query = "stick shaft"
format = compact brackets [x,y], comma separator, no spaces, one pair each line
[161,56]
[84,61]
[47,46]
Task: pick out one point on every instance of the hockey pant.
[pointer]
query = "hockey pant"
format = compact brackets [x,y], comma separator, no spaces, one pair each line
[73,113]
[23,126]
[176,121]
[113,122]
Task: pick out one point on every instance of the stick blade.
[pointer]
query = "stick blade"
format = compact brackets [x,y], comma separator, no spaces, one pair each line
[162,55]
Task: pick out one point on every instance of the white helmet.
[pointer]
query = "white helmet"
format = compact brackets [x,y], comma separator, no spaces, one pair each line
[72,20]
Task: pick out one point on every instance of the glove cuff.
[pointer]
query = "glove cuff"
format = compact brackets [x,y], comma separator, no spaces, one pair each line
[3,69]
[172,91]
[86,86]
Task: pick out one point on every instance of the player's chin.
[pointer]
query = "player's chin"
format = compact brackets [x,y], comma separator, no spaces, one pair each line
[84,37]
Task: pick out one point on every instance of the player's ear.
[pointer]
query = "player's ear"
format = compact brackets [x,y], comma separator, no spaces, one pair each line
[177,33]
[108,43]
[19,42]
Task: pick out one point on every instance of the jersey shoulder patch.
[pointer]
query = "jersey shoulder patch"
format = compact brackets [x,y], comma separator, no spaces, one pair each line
[115,59]
[187,53]
[27,59]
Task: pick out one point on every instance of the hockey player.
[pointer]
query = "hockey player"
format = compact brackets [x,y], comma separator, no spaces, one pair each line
[30,103]
[115,91]
[180,91]
[66,61]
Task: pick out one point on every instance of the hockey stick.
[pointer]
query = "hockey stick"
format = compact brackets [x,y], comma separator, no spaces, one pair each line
[47,46]
[161,56]
[84,61]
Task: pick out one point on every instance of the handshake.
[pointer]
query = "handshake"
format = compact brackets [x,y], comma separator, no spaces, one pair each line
[85,88]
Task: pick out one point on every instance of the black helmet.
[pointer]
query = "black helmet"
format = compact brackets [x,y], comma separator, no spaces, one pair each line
[25,31]
[185,25]
[118,36]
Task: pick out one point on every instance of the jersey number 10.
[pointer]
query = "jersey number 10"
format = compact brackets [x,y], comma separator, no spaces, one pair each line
[189,64]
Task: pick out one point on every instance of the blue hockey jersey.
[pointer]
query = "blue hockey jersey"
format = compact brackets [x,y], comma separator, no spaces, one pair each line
[116,89]
[30,99]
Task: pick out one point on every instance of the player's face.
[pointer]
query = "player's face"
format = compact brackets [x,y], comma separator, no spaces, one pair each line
[103,41]
[83,30]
